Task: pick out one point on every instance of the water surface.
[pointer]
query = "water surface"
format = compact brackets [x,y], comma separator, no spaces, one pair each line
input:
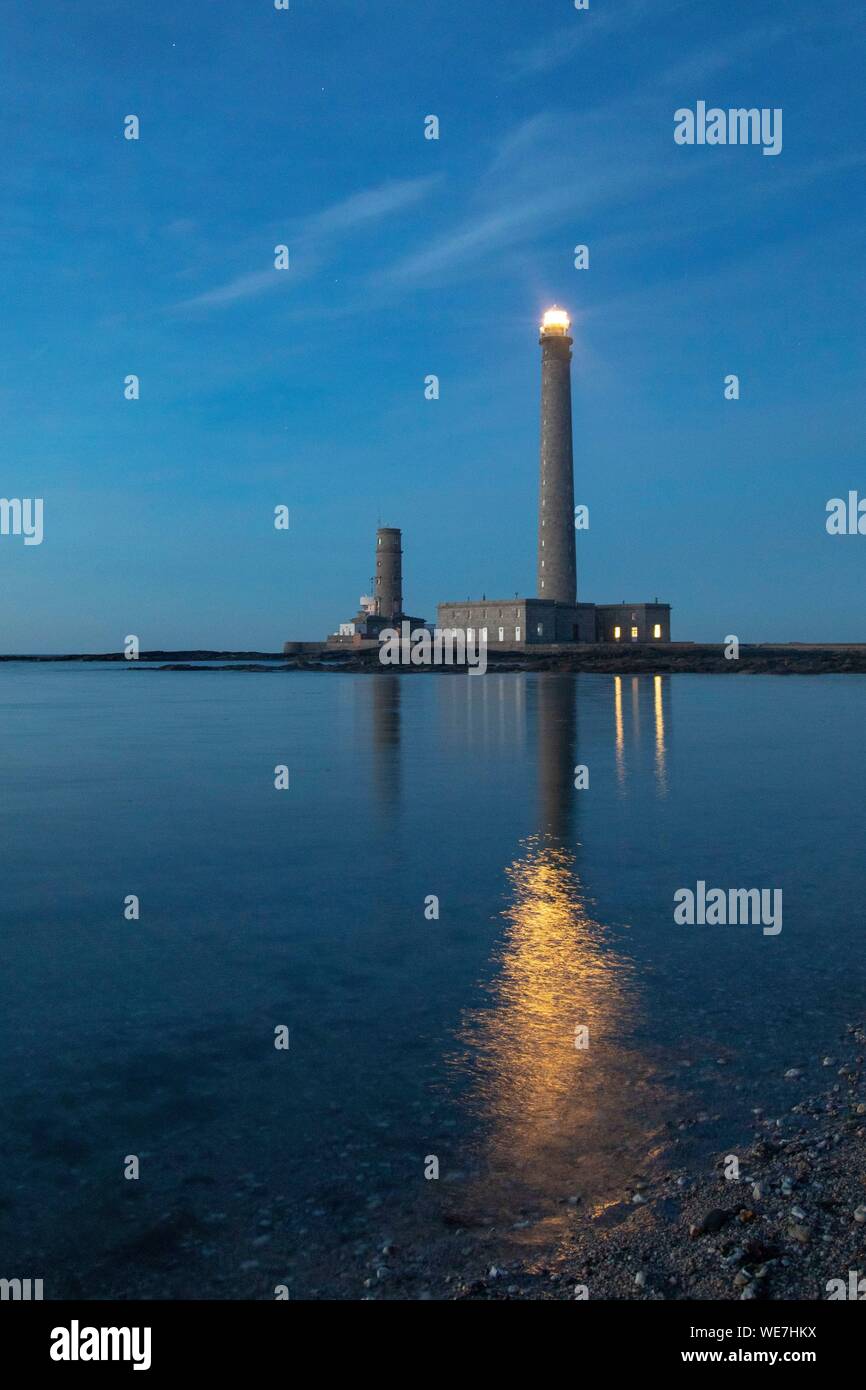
[410,1036]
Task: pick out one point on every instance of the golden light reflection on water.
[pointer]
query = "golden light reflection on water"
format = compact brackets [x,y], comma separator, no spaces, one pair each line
[550,1105]
[659,716]
[555,1119]
[661,693]
[620,736]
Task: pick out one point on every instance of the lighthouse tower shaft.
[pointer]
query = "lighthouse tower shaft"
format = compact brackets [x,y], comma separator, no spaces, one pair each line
[388,579]
[557,571]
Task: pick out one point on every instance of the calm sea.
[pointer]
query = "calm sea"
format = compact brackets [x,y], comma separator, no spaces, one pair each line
[433,911]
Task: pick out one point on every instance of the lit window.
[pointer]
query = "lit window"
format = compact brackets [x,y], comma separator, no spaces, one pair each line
[540,629]
[502,634]
[617,633]
[483,634]
[517,634]
[634,634]
[657,630]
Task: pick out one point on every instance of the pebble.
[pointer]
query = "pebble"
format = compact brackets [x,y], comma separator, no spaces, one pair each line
[801,1234]
[860,1214]
[712,1222]
[639,1199]
[640,1279]
[798,1213]
[793,1074]
[757,1191]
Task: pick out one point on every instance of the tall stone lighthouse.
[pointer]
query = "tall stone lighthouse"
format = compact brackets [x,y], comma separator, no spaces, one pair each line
[557,574]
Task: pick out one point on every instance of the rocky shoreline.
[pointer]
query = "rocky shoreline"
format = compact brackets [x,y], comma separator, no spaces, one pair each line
[780,1217]
[792,1221]
[775,661]
[782,659]
[771,661]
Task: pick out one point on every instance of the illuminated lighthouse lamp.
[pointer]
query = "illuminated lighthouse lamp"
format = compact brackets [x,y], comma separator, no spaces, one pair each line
[556,321]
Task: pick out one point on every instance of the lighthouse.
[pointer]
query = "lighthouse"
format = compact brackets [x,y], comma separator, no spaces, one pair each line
[554,617]
[557,573]
[388,579]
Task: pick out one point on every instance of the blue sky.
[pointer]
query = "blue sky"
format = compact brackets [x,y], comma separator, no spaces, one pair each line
[411,257]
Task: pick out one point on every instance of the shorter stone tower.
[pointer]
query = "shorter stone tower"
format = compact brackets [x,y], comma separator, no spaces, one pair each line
[388,579]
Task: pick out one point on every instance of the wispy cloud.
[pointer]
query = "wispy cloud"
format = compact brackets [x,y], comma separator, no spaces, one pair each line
[706,62]
[475,237]
[370,205]
[584,28]
[311,239]
[242,287]
[538,178]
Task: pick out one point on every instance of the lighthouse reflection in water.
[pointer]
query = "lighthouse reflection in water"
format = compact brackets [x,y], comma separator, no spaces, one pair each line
[553,1071]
